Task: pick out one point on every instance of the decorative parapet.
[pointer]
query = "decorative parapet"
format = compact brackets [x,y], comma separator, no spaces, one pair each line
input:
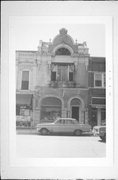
[62,40]
[82,49]
[25,55]
[43,48]
[26,58]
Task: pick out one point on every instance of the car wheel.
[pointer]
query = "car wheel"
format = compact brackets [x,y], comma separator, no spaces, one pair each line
[44,131]
[78,132]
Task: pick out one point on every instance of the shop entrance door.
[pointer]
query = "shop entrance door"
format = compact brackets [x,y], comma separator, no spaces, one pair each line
[75,112]
[94,117]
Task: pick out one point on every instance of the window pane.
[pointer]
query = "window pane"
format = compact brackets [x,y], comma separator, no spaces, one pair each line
[17,111]
[98,83]
[70,76]
[53,76]
[22,112]
[103,114]
[64,73]
[98,76]
[63,121]
[58,122]
[25,85]
[98,79]
[27,112]
[25,76]
[75,122]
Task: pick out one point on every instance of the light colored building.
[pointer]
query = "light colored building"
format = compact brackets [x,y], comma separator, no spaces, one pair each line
[53,81]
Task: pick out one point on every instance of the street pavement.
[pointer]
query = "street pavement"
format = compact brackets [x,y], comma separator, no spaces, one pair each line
[62,146]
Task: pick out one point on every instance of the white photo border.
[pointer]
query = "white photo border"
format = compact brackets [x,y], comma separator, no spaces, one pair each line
[13,167]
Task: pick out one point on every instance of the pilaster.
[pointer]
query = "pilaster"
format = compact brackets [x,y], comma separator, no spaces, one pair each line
[98,116]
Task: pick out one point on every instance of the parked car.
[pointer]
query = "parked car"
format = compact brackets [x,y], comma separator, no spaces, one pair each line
[100,131]
[63,125]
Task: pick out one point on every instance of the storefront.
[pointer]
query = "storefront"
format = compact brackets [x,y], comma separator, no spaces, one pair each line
[98,112]
[24,110]
[50,109]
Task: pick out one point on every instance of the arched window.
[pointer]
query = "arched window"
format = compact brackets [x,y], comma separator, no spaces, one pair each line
[63,51]
[50,109]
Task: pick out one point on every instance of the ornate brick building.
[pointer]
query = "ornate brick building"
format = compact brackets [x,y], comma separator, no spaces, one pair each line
[56,80]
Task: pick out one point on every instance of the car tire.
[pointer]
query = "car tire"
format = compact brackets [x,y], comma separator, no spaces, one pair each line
[78,132]
[44,131]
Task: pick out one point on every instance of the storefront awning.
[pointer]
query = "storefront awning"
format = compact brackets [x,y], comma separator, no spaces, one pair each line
[24,99]
[99,101]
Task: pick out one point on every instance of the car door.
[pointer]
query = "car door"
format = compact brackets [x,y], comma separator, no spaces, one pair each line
[58,127]
[68,126]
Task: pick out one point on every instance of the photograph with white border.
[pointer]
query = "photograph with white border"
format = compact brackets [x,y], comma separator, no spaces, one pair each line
[60,80]
[55,66]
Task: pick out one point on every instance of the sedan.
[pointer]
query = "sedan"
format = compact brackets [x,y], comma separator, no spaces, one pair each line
[63,125]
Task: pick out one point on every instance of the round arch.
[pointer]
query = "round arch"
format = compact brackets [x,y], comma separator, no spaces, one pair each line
[50,108]
[53,96]
[62,51]
[63,46]
[75,108]
[76,97]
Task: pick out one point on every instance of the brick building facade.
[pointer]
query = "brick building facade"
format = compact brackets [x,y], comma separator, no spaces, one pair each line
[60,79]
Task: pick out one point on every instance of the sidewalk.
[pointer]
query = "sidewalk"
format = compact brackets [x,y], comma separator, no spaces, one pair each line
[26,131]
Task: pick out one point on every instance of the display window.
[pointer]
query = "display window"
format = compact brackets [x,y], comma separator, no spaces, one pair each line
[23,116]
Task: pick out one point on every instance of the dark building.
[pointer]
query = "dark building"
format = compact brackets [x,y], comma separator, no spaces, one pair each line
[97,91]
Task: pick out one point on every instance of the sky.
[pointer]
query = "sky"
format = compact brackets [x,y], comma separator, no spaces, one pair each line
[28,35]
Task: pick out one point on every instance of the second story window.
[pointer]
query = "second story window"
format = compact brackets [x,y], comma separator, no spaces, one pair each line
[54,73]
[70,76]
[99,80]
[62,72]
[71,72]
[53,76]
[25,80]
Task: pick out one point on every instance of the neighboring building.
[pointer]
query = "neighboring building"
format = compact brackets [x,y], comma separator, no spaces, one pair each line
[97,91]
[56,81]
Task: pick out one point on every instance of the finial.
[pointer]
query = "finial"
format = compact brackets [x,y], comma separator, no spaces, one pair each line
[63,31]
